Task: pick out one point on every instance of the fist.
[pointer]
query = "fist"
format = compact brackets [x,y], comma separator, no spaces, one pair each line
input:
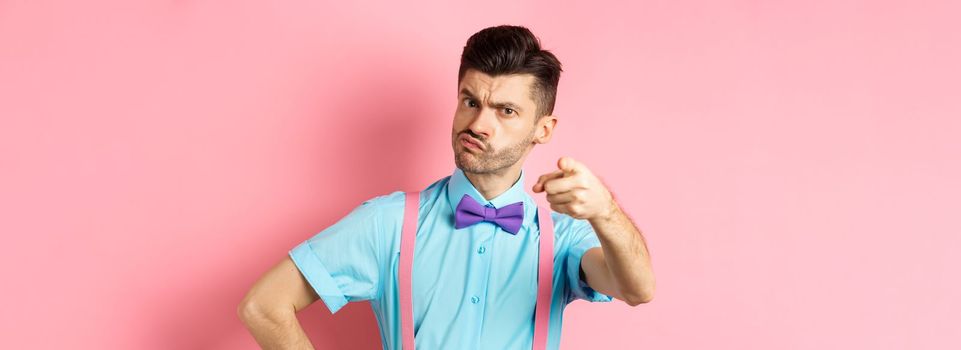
[575,191]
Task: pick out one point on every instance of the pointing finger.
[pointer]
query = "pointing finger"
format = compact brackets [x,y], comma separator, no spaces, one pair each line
[539,186]
[563,184]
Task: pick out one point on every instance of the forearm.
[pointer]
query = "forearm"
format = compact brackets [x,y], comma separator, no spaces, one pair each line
[277,330]
[626,254]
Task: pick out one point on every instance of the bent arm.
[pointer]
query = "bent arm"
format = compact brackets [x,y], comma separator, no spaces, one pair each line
[269,309]
[621,267]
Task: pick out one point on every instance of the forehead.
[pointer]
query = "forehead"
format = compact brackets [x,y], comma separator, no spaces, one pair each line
[502,88]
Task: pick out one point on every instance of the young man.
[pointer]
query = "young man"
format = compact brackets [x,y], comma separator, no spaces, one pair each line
[474,281]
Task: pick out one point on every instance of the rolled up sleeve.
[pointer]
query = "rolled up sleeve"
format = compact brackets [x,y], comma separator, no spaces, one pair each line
[583,239]
[342,262]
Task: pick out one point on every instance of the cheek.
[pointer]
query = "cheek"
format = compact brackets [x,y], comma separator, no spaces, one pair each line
[460,121]
[518,133]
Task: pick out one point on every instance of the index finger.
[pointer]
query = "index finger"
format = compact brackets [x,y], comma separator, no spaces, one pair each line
[539,186]
[562,184]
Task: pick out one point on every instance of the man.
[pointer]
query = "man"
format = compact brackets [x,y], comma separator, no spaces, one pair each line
[474,284]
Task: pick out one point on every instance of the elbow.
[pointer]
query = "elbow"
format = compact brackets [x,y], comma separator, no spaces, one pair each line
[249,310]
[252,310]
[638,300]
[256,311]
[644,296]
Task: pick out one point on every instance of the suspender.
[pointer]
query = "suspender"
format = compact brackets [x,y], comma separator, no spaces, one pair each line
[404,276]
[545,273]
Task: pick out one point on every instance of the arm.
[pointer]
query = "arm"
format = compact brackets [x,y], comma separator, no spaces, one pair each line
[268,310]
[621,267]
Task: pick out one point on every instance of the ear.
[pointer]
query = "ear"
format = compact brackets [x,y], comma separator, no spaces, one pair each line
[544,129]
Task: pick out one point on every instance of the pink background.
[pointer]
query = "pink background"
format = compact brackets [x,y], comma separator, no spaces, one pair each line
[794,166]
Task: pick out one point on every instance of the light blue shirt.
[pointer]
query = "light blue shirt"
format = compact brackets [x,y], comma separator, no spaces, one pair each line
[473,288]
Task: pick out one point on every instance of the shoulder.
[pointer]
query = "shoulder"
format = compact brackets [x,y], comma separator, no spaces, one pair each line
[389,207]
[380,209]
[571,233]
[394,202]
[568,227]
[385,201]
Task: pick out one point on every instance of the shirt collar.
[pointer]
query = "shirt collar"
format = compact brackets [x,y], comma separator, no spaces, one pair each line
[459,185]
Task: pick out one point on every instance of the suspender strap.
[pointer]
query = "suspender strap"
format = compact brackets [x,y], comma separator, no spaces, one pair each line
[405,277]
[545,278]
[545,273]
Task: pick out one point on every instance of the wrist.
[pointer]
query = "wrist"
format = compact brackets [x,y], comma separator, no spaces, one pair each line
[607,216]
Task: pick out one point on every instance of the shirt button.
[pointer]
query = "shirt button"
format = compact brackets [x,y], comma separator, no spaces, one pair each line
[481,250]
[474,299]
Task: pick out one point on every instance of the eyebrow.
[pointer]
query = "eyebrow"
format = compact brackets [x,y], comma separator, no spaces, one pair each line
[496,104]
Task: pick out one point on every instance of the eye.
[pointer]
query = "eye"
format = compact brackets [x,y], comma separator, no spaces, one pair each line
[469,103]
[508,111]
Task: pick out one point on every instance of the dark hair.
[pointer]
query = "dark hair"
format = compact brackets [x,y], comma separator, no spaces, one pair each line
[509,49]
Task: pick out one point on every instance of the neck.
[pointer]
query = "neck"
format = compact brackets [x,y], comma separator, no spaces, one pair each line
[491,185]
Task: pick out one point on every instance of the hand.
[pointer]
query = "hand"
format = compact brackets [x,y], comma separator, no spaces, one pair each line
[575,191]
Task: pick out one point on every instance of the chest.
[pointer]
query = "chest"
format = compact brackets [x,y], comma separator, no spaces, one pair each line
[468,280]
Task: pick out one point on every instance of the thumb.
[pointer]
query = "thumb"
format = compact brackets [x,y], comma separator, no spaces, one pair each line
[567,164]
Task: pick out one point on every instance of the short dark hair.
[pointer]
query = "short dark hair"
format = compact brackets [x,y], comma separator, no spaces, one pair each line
[508,49]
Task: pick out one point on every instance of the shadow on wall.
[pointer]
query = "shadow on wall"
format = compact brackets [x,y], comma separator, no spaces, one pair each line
[388,166]
[205,318]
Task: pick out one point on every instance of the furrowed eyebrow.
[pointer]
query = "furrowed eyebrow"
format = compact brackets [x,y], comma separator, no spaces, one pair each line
[510,105]
[505,104]
[466,92]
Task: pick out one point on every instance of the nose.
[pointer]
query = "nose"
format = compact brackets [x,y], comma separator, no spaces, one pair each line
[483,123]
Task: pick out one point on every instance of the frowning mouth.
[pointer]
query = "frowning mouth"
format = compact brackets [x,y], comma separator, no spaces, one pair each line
[470,142]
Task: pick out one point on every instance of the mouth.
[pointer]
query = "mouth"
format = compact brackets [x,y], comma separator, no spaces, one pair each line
[470,142]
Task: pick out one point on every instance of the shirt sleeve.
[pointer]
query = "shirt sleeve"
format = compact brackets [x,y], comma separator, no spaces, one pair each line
[342,262]
[582,239]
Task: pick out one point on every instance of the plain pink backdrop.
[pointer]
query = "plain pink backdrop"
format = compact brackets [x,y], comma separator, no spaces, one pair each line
[793,165]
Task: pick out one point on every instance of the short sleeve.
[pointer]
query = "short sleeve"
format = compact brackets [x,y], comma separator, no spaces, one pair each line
[342,262]
[582,239]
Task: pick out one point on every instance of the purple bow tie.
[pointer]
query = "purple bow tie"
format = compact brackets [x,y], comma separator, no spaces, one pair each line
[469,212]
